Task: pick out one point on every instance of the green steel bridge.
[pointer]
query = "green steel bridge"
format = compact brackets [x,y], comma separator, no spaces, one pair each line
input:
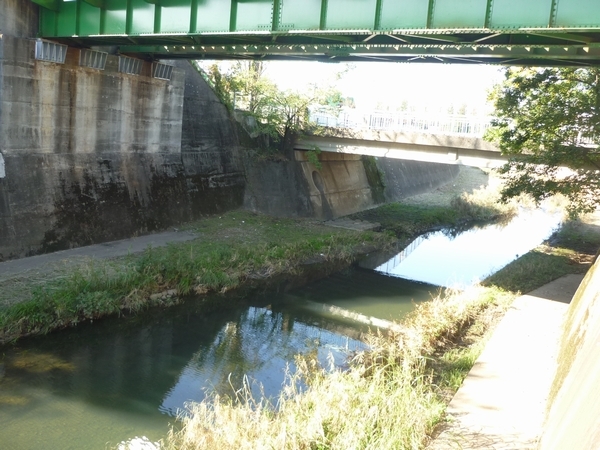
[510,32]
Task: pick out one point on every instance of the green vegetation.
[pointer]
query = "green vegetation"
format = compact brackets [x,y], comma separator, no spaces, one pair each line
[375,177]
[408,220]
[569,250]
[312,157]
[548,119]
[536,268]
[390,398]
[234,250]
[279,115]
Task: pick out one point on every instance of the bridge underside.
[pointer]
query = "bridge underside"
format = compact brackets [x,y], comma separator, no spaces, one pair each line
[510,32]
[466,151]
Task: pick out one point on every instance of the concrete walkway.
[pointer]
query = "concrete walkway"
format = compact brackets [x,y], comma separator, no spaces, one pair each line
[46,263]
[501,404]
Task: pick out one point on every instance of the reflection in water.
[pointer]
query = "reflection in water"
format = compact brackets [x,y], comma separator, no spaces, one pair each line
[443,260]
[261,344]
[120,378]
[366,292]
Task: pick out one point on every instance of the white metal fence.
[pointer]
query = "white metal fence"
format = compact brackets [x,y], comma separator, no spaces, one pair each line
[381,120]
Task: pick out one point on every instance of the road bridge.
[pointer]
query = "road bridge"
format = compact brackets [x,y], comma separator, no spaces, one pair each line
[414,146]
[510,32]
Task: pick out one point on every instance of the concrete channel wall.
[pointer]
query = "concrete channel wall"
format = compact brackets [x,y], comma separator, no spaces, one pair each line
[573,420]
[88,155]
[344,184]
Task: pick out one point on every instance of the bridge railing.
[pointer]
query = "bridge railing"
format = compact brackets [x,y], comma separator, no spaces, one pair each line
[453,125]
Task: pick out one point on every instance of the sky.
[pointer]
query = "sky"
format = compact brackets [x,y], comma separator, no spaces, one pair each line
[372,84]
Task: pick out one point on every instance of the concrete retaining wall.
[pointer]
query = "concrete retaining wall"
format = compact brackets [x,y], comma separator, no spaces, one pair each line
[573,421]
[342,186]
[89,156]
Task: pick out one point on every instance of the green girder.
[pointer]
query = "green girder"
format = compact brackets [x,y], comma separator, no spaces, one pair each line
[540,32]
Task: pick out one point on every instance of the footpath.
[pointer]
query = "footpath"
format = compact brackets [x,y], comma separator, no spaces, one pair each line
[34,265]
[501,404]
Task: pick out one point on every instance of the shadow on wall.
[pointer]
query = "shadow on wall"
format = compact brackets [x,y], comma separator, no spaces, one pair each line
[326,212]
[573,419]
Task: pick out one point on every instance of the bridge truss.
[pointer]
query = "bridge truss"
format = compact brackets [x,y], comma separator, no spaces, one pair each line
[510,32]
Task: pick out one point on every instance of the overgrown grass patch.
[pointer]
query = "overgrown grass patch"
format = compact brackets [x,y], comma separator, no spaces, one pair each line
[240,247]
[407,220]
[577,235]
[570,250]
[536,268]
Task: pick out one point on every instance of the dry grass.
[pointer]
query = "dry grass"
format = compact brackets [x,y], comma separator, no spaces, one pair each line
[389,398]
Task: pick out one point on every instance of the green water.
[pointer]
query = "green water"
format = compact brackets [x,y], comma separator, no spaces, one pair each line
[102,383]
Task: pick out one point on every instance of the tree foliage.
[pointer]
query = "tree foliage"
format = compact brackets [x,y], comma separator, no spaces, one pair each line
[279,115]
[548,123]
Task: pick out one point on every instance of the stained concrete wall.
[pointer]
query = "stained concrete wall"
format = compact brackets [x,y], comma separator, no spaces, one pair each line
[92,156]
[18,18]
[344,184]
[573,421]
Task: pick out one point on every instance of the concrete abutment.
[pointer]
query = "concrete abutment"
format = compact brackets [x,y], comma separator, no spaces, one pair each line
[89,156]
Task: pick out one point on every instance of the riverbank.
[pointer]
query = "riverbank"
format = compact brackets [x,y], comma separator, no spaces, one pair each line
[237,250]
[425,363]
[396,395]
[233,251]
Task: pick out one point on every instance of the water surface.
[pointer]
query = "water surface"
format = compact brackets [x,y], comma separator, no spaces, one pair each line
[120,378]
[443,259]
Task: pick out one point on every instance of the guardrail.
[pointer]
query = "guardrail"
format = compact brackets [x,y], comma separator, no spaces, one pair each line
[380,120]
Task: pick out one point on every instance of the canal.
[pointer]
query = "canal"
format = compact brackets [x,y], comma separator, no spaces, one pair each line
[102,383]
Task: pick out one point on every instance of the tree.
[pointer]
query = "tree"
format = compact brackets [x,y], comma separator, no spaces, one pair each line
[280,115]
[548,123]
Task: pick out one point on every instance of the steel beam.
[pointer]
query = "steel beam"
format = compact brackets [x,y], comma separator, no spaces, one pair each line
[96,3]
[369,29]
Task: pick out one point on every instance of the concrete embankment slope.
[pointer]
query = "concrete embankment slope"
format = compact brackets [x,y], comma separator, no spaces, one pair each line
[537,382]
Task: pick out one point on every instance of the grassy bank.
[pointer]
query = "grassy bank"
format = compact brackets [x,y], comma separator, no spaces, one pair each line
[234,250]
[443,208]
[237,249]
[570,250]
[395,395]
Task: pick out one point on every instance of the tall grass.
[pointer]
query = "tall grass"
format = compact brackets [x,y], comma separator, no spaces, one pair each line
[391,397]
